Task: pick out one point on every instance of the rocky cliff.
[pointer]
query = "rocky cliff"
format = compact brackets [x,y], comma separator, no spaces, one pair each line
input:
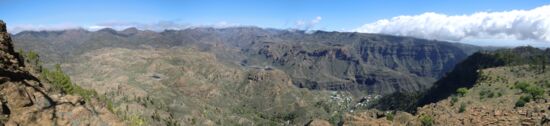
[377,64]
[26,100]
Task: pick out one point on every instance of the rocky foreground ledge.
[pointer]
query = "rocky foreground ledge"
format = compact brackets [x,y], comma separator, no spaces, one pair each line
[25,100]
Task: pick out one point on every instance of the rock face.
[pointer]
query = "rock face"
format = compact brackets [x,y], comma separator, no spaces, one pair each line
[373,117]
[318,122]
[9,59]
[358,62]
[25,100]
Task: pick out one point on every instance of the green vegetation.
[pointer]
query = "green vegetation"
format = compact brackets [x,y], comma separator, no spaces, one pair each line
[526,98]
[336,118]
[135,120]
[530,91]
[389,116]
[462,108]
[486,93]
[56,77]
[462,91]
[193,121]
[62,81]
[523,99]
[535,92]
[545,83]
[426,120]
[536,58]
[520,103]
[539,62]
[31,57]
[107,102]
[454,99]
[522,86]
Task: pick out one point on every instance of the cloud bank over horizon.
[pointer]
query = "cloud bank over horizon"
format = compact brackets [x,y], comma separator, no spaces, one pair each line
[31,27]
[156,26]
[117,25]
[520,25]
[308,25]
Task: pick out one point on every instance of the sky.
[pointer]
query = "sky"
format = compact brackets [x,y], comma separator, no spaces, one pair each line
[479,22]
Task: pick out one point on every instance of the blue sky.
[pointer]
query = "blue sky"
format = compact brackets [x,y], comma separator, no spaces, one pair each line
[330,15]
[336,15]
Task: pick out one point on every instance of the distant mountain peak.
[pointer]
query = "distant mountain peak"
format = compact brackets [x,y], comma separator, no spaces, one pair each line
[110,30]
[130,31]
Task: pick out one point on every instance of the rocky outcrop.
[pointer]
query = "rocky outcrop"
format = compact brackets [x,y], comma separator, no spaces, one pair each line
[9,60]
[318,122]
[372,117]
[477,108]
[535,113]
[25,100]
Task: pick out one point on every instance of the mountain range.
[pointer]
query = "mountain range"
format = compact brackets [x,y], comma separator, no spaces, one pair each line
[261,76]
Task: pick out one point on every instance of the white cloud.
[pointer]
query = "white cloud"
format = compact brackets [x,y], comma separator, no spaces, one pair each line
[30,27]
[118,25]
[159,26]
[529,25]
[316,20]
[307,25]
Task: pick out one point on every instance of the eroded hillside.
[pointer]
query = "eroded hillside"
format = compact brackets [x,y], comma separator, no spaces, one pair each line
[188,87]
